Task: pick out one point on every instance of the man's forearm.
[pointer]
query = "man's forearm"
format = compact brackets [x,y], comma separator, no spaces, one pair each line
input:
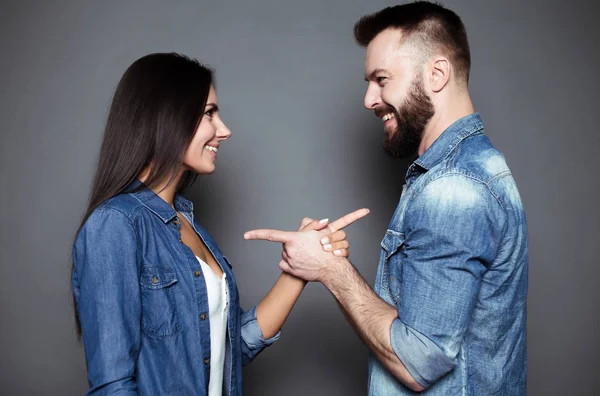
[370,316]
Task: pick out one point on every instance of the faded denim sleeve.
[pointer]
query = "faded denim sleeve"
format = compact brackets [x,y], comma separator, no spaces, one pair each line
[106,286]
[253,341]
[452,231]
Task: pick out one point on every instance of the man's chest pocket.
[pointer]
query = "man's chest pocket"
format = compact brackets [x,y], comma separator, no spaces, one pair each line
[393,245]
[159,313]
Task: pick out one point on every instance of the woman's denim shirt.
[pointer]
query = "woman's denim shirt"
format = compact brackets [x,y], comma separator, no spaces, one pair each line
[143,306]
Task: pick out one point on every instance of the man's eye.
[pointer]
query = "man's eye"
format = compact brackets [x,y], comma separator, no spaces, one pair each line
[380,80]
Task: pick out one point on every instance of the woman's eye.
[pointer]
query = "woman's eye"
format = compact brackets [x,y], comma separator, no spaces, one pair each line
[210,112]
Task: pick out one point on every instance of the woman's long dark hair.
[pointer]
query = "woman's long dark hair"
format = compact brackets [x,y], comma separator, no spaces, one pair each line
[154,114]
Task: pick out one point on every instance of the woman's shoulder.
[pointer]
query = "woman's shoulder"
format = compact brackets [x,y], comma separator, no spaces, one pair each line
[121,208]
[124,203]
[108,231]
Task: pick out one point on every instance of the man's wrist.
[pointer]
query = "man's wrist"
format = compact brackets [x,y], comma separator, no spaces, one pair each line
[336,271]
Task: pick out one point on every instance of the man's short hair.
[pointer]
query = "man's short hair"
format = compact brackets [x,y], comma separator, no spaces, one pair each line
[432,28]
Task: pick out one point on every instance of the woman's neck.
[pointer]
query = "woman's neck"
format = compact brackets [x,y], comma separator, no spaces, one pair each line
[163,189]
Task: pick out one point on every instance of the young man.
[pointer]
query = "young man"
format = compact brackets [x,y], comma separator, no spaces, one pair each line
[448,312]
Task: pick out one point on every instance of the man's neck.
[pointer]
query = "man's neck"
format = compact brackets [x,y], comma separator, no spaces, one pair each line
[443,118]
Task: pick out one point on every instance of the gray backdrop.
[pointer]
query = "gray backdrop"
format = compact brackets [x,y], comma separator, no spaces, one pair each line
[290,83]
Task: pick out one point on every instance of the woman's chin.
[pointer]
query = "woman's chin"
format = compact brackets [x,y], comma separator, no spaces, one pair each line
[204,170]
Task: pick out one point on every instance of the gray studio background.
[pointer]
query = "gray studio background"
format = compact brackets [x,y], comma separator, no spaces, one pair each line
[290,84]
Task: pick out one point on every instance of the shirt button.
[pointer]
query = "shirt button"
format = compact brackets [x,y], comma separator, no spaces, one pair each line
[207,361]
[203,316]
[155,279]
[197,274]
[180,240]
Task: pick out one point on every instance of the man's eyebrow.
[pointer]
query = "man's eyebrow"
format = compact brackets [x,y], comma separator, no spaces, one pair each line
[372,75]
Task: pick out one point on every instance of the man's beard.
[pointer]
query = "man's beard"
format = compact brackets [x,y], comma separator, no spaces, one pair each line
[411,120]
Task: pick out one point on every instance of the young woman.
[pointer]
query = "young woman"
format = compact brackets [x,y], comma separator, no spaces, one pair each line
[156,301]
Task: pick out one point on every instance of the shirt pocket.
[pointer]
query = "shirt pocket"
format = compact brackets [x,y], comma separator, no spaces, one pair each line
[393,245]
[159,312]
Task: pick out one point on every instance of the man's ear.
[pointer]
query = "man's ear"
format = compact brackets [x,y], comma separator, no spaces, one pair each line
[439,74]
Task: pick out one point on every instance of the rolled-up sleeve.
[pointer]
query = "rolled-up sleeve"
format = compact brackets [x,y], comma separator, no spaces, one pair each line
[452,231]
[253,341]
[106,287]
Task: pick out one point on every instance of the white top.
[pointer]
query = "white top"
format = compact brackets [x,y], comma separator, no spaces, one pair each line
[218,300]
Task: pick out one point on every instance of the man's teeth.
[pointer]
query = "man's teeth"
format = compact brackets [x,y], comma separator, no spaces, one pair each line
[211,148]
[387,117]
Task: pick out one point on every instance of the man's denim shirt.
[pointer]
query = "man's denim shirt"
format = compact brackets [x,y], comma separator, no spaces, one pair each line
[454,263]
[143,305]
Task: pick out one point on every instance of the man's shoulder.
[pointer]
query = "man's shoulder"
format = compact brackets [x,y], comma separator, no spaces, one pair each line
[476,167]
[465,177]
[477,158]
[452,190]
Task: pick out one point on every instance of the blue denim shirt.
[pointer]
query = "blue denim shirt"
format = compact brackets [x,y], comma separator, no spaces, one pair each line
[143,305]
[454,262]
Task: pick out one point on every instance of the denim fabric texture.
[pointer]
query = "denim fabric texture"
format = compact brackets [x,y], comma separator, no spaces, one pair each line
[143,305]
[454,263]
